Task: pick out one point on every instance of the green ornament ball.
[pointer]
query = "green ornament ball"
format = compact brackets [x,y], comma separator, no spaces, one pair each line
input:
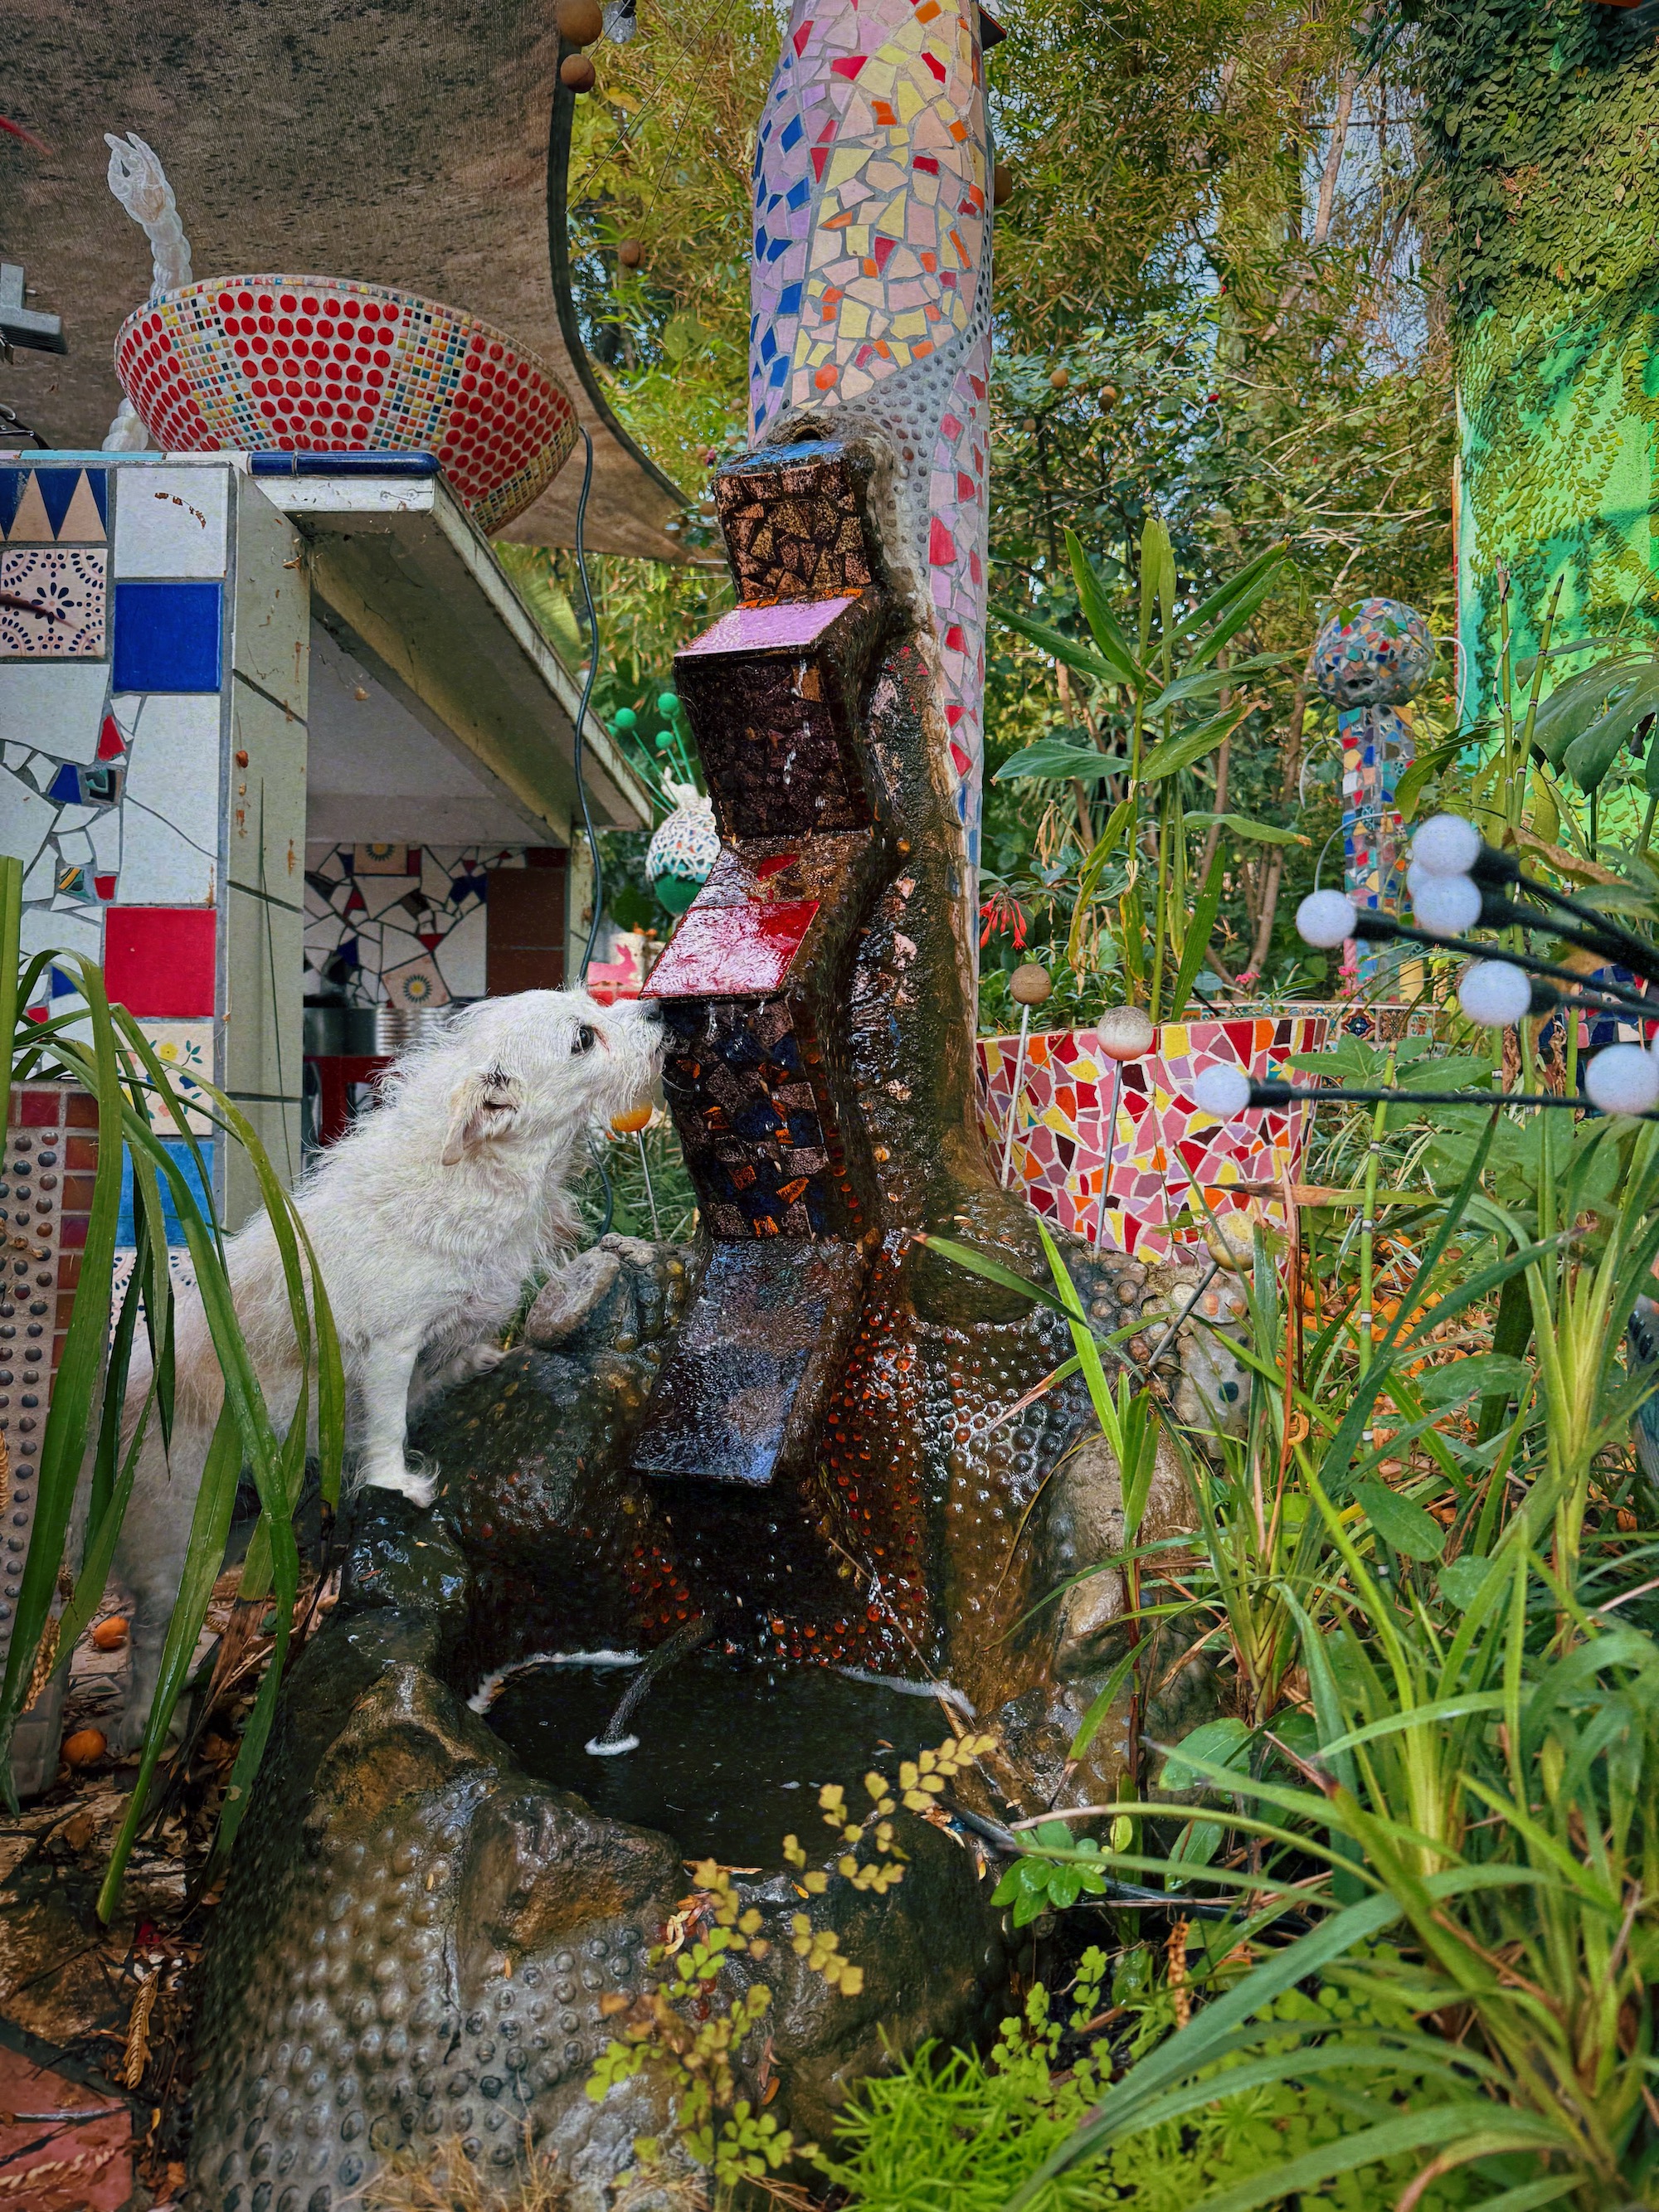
[675,892]
[624,719]
[668,703]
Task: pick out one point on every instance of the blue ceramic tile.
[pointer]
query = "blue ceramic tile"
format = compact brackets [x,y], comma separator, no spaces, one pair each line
[168,637]
[185,1161]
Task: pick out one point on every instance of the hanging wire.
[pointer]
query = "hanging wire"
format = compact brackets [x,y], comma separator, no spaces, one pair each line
[587,694]
[598,894]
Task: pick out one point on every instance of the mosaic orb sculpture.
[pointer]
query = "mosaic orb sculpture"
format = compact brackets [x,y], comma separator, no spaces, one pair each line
[326,364]
[1374,654]
[684,848]
[1368,661]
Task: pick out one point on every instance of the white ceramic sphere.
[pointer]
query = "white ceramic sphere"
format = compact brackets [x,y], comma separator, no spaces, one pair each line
[1623,1079]
[1445,906]
[1495,993]
[1446,845]
[1125,1032]
[1325,919]
[1223,1090]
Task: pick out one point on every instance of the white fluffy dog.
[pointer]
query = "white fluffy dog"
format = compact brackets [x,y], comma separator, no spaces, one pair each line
[427,1219]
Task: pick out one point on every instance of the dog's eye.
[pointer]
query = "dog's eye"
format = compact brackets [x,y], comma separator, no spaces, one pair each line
[584,1042]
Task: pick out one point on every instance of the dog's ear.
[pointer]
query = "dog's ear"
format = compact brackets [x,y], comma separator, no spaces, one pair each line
[485,1105]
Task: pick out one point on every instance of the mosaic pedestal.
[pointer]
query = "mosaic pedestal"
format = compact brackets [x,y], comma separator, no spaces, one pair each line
[1165,1149]
[51,1159]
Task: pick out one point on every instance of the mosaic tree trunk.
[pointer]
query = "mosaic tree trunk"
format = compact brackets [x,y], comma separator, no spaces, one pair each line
[871,295]
[1541,121]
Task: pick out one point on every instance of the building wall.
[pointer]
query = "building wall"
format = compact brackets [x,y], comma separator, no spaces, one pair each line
[152,683]
[409,924]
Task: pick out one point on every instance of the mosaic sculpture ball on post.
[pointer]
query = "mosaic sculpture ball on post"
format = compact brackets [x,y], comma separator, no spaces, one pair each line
[1368,660]
[1376,653]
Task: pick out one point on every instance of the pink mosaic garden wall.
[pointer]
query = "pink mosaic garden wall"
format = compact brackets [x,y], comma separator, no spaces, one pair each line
[1164,1147]
[871,287]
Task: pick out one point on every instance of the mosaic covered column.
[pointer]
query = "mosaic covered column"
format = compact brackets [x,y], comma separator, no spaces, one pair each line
[1368,661]
[872,291]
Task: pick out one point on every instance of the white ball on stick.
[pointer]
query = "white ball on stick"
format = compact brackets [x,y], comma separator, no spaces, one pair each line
[1125,1032]
[1623,1079]
[1445,906]
[1494,994]
[1446,845]
[1325,919]
[1223,1090]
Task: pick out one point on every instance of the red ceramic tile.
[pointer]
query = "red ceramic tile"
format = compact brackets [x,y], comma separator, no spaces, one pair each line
[159,960]
[732,952]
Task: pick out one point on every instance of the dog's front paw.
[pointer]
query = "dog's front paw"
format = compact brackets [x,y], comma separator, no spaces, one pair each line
[480,1359]
[417,1486]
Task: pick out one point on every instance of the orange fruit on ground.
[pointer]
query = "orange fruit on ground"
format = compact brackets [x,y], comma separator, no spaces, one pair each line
[110,1635]
[85,1747]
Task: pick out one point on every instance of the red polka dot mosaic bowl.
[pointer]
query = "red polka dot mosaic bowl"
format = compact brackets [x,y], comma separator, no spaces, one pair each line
[319,364]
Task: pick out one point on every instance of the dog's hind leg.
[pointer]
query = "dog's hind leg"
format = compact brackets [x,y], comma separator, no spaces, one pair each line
[384,1377]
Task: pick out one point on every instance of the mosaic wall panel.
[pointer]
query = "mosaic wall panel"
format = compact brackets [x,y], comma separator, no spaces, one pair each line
[50,1160]
[1382,1022]
[400,923]
[110,722]
[1159,1150]
[870,285]
[755,1121]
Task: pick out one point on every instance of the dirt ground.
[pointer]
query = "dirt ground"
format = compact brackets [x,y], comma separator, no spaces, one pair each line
[95,2017]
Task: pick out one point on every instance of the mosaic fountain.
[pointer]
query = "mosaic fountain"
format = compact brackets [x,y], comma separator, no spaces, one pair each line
[795,1445]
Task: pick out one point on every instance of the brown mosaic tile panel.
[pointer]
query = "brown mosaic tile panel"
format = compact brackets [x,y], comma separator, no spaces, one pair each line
[777,728]
[790,515]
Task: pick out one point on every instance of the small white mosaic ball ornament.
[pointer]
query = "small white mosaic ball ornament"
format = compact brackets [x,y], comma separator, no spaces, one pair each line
[1623,1079]
[1125,1032]
[1223,1090]
[1446,845]
[1324,918]
[1443,906]
[1495,993]
[685,847]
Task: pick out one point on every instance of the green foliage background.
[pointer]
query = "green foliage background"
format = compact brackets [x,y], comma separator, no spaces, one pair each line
[1212,236]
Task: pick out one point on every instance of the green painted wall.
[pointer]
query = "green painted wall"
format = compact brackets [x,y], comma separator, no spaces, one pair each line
[1541,125]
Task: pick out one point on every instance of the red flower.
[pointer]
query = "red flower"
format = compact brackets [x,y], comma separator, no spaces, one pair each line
[1001,912]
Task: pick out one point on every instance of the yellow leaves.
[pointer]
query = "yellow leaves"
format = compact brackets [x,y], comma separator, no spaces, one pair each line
[816,1882]
[821,1949]
[792,1853]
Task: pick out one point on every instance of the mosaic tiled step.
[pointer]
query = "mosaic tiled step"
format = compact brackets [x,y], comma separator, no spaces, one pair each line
[792,522]
[46,1198]
[771,693]
[744,1388]
[1164,1150]
[751,990]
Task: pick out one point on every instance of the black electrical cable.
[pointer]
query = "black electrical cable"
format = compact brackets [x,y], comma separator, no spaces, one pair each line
[587,694]
[598,894]
[1377,928]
